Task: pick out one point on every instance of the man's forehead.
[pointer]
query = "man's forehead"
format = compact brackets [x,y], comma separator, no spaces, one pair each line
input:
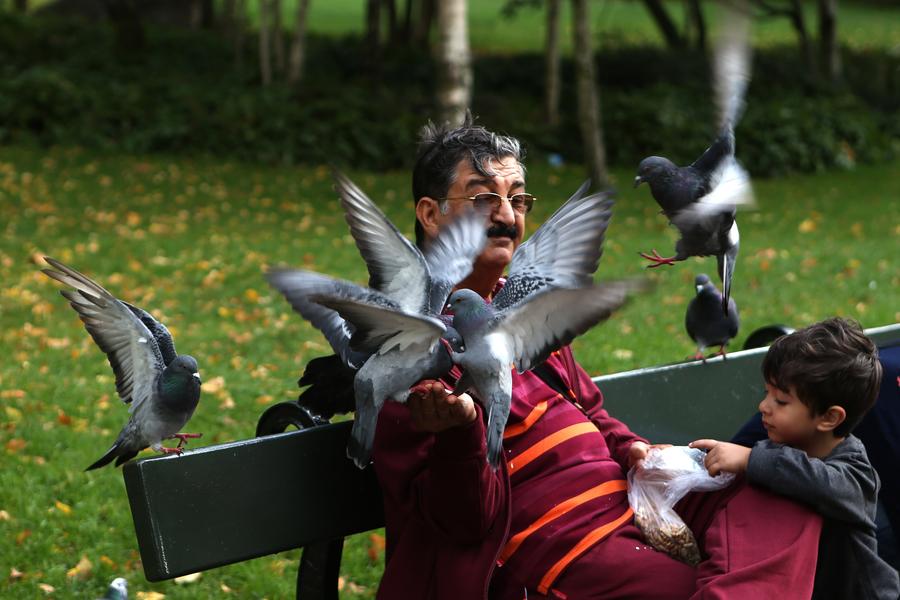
[506,167]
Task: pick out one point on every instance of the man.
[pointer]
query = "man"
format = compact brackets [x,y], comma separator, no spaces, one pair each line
[553,520]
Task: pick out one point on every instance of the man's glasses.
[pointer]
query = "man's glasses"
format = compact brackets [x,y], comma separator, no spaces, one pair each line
[489,201]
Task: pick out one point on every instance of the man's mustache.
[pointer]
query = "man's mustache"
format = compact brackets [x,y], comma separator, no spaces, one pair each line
[503,230]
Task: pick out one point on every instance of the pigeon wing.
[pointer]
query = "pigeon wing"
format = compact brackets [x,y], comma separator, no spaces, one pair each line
[449,256]
[564,251]
[396,267]
[297,286]
[160,332]
[130,347]
[381,325]
[554,317]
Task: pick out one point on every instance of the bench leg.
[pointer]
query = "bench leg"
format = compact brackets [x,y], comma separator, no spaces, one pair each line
[320,567]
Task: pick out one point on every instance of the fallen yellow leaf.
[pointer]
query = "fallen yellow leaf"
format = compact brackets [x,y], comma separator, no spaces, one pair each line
[63,507]
[47,588]
[190,578]
[150,596]
[82,570]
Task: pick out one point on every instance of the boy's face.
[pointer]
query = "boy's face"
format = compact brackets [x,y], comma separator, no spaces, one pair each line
[787,419]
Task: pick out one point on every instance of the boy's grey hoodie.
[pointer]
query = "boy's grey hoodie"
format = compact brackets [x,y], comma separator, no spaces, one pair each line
[842,488]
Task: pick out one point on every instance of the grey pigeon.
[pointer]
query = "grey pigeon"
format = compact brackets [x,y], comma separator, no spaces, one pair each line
[521,332]
[402,348]
[366,326]
[547,300]
[701,199]
[163,387]
[117,590]
[704,320]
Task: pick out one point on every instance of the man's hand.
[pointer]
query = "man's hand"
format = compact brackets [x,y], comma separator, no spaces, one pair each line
[723,456]
[638,451]
[433,408]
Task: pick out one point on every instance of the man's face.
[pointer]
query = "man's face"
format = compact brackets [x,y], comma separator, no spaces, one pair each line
[506,227]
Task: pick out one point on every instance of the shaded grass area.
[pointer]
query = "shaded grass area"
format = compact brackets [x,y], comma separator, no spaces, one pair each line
[189,240]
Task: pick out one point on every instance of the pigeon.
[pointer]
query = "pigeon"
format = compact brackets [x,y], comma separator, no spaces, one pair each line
[117,590]
[548,299]
[520,331]
[704,320]
[701,199]
[402,347]
[162,387]
[364,325]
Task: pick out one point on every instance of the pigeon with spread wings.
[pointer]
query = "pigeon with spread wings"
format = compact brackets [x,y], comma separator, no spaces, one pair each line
[701,199]
[162,387]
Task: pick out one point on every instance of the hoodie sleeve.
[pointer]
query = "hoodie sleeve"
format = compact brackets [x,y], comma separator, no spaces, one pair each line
[441,479]
[841,487]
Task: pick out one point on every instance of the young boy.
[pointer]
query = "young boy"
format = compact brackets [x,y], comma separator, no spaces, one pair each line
[820,381]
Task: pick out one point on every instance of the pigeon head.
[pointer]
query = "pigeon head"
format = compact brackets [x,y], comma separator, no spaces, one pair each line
[701,281]
[654,170]
[118,589]
[180,382]
[469,310]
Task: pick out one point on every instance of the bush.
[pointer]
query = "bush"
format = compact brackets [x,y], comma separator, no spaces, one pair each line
[61,84]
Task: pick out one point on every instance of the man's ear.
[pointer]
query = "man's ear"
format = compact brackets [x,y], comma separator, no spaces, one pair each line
[831,418]
[428,213]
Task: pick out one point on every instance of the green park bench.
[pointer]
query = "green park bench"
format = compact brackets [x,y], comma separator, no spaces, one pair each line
[237,501]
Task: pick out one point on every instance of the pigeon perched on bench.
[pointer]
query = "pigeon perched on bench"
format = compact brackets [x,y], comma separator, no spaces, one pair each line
[701,199]
[704,320]
[162,387]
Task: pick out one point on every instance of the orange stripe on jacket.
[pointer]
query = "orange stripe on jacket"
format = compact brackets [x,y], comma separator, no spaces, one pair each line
[549,443]
[536,413]
[604,489]
[579,549]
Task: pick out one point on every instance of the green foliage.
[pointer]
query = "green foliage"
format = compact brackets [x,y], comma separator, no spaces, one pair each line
[189,239]
[60,83]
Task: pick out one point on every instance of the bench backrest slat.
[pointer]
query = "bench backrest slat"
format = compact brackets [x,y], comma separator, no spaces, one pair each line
[232,502]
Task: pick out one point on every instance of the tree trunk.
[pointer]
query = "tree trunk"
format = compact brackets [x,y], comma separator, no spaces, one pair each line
[373,29]
[392,24]
[695,14]
[207,14]
[406,28]
[454,65]
[799,23]
[551,64]
[21,5]
[278,36]
[298,45]
[831,56]
[588,102]
[665,23]
[130,37]
[265,43]
[237,33]
[423,23]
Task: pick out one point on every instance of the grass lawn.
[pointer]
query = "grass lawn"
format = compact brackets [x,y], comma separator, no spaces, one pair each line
[615,21]
[189,240]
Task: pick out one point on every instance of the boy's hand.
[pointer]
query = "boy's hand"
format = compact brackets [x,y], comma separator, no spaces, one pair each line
[723,456]
[433,408]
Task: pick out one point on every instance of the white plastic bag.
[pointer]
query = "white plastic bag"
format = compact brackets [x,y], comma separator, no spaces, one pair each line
[666,476]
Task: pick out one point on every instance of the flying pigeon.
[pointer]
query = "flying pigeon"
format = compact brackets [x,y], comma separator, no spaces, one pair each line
[401,347]
[520,330]
[548,299]
[365,325]
[117,590]
[162,387]
[704,320]
[701,199]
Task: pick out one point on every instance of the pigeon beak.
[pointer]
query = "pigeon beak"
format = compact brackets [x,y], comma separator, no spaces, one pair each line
[699,287]
[638,181]
[197,375]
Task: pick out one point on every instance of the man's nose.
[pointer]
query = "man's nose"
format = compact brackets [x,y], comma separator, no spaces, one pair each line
[504,213]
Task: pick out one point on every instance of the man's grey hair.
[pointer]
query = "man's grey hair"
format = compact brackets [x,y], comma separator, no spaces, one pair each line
[442,148]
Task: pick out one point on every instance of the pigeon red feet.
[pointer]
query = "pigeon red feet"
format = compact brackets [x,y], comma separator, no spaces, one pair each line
[177,450]
[184,437]
[721,352]
[657,260]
